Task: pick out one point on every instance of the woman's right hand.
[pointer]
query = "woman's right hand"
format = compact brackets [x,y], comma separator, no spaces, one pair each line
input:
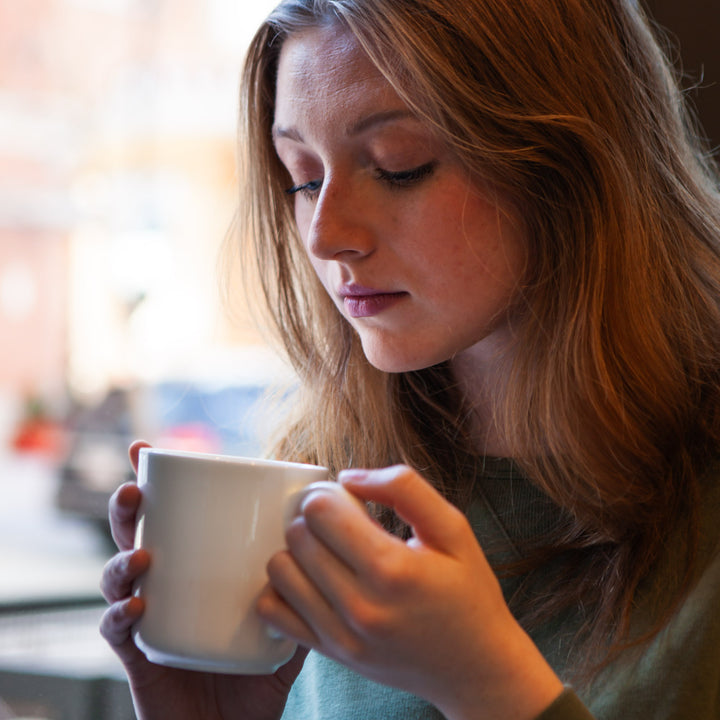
[160,692]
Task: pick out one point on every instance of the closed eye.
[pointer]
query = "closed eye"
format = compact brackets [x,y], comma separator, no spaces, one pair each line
[308,189]
[405,178]
[399,178]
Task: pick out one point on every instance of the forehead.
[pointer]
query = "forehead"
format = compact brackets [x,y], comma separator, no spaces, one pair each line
[323,74]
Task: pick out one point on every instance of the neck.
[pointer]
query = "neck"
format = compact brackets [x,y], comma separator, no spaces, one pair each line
[480,371]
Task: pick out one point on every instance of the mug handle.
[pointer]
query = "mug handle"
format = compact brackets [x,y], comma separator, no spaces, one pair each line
[292,510]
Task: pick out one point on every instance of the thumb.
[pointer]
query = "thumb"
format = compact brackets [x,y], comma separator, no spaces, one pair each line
[434,521]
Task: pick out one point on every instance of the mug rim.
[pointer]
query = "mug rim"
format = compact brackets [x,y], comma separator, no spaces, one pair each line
[229,459]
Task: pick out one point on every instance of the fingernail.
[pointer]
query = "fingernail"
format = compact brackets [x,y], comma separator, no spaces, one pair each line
[353,475]
[313,493]
[133,606]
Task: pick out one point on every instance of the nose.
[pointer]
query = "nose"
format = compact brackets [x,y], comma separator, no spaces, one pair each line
[340,227]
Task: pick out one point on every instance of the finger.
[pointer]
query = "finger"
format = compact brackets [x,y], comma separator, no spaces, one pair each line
[122,510]
[134,452]
[435,521]
[335,580]
[116,625]
[280,617]
[302,599]
[121,571]
[347,530]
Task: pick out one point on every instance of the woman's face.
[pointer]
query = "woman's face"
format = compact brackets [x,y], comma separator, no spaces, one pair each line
[419,259]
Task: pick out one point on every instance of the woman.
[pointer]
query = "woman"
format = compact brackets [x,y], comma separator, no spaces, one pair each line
[484,231]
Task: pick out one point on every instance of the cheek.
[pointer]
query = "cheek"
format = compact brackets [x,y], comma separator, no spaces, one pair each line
[492,236]
[303,219]
[483,254]
[322,269]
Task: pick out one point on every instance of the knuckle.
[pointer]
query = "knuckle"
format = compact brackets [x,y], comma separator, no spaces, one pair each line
[119,500]
[114,501]
[368,620]
[105,626]
[106,589]
[390,574]
[119,574]
[109,580]
[125,501]
[114,626]
[353,649]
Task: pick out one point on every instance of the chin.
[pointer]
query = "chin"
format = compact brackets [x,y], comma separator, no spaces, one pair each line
[399,362]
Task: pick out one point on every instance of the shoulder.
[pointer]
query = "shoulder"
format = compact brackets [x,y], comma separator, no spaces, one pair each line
[676,674]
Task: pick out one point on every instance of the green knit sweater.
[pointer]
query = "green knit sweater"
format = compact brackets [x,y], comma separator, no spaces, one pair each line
[674,677]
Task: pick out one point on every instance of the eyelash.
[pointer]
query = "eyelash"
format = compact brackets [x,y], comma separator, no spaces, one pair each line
[405,178]
[308,189]
[400,179]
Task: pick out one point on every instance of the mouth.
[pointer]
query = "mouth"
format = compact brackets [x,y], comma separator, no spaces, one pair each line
[363,302]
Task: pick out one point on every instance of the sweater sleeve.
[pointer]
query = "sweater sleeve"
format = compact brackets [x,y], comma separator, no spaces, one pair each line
[567,706]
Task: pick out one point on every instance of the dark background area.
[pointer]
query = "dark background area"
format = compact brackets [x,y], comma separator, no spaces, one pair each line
[693,27]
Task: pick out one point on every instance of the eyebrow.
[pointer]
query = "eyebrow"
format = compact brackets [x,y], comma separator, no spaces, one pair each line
[363,124]
[379,118]
[292,133]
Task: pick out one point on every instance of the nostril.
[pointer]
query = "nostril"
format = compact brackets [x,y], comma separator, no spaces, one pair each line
[346,244]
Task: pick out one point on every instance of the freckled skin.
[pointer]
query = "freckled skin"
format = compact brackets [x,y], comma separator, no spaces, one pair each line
[382,208]
[442,241]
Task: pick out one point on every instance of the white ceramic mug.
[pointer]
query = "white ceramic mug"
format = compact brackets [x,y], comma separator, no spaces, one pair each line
[210,524]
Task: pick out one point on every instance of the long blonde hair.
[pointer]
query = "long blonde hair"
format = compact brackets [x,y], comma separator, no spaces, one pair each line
[611,404]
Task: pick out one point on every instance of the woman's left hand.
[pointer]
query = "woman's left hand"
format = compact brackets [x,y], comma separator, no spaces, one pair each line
[424,615]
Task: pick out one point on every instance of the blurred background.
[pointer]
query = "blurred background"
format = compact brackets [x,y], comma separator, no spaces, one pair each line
[117,183]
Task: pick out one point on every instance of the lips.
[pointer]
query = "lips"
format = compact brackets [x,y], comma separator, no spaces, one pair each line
[363,302]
